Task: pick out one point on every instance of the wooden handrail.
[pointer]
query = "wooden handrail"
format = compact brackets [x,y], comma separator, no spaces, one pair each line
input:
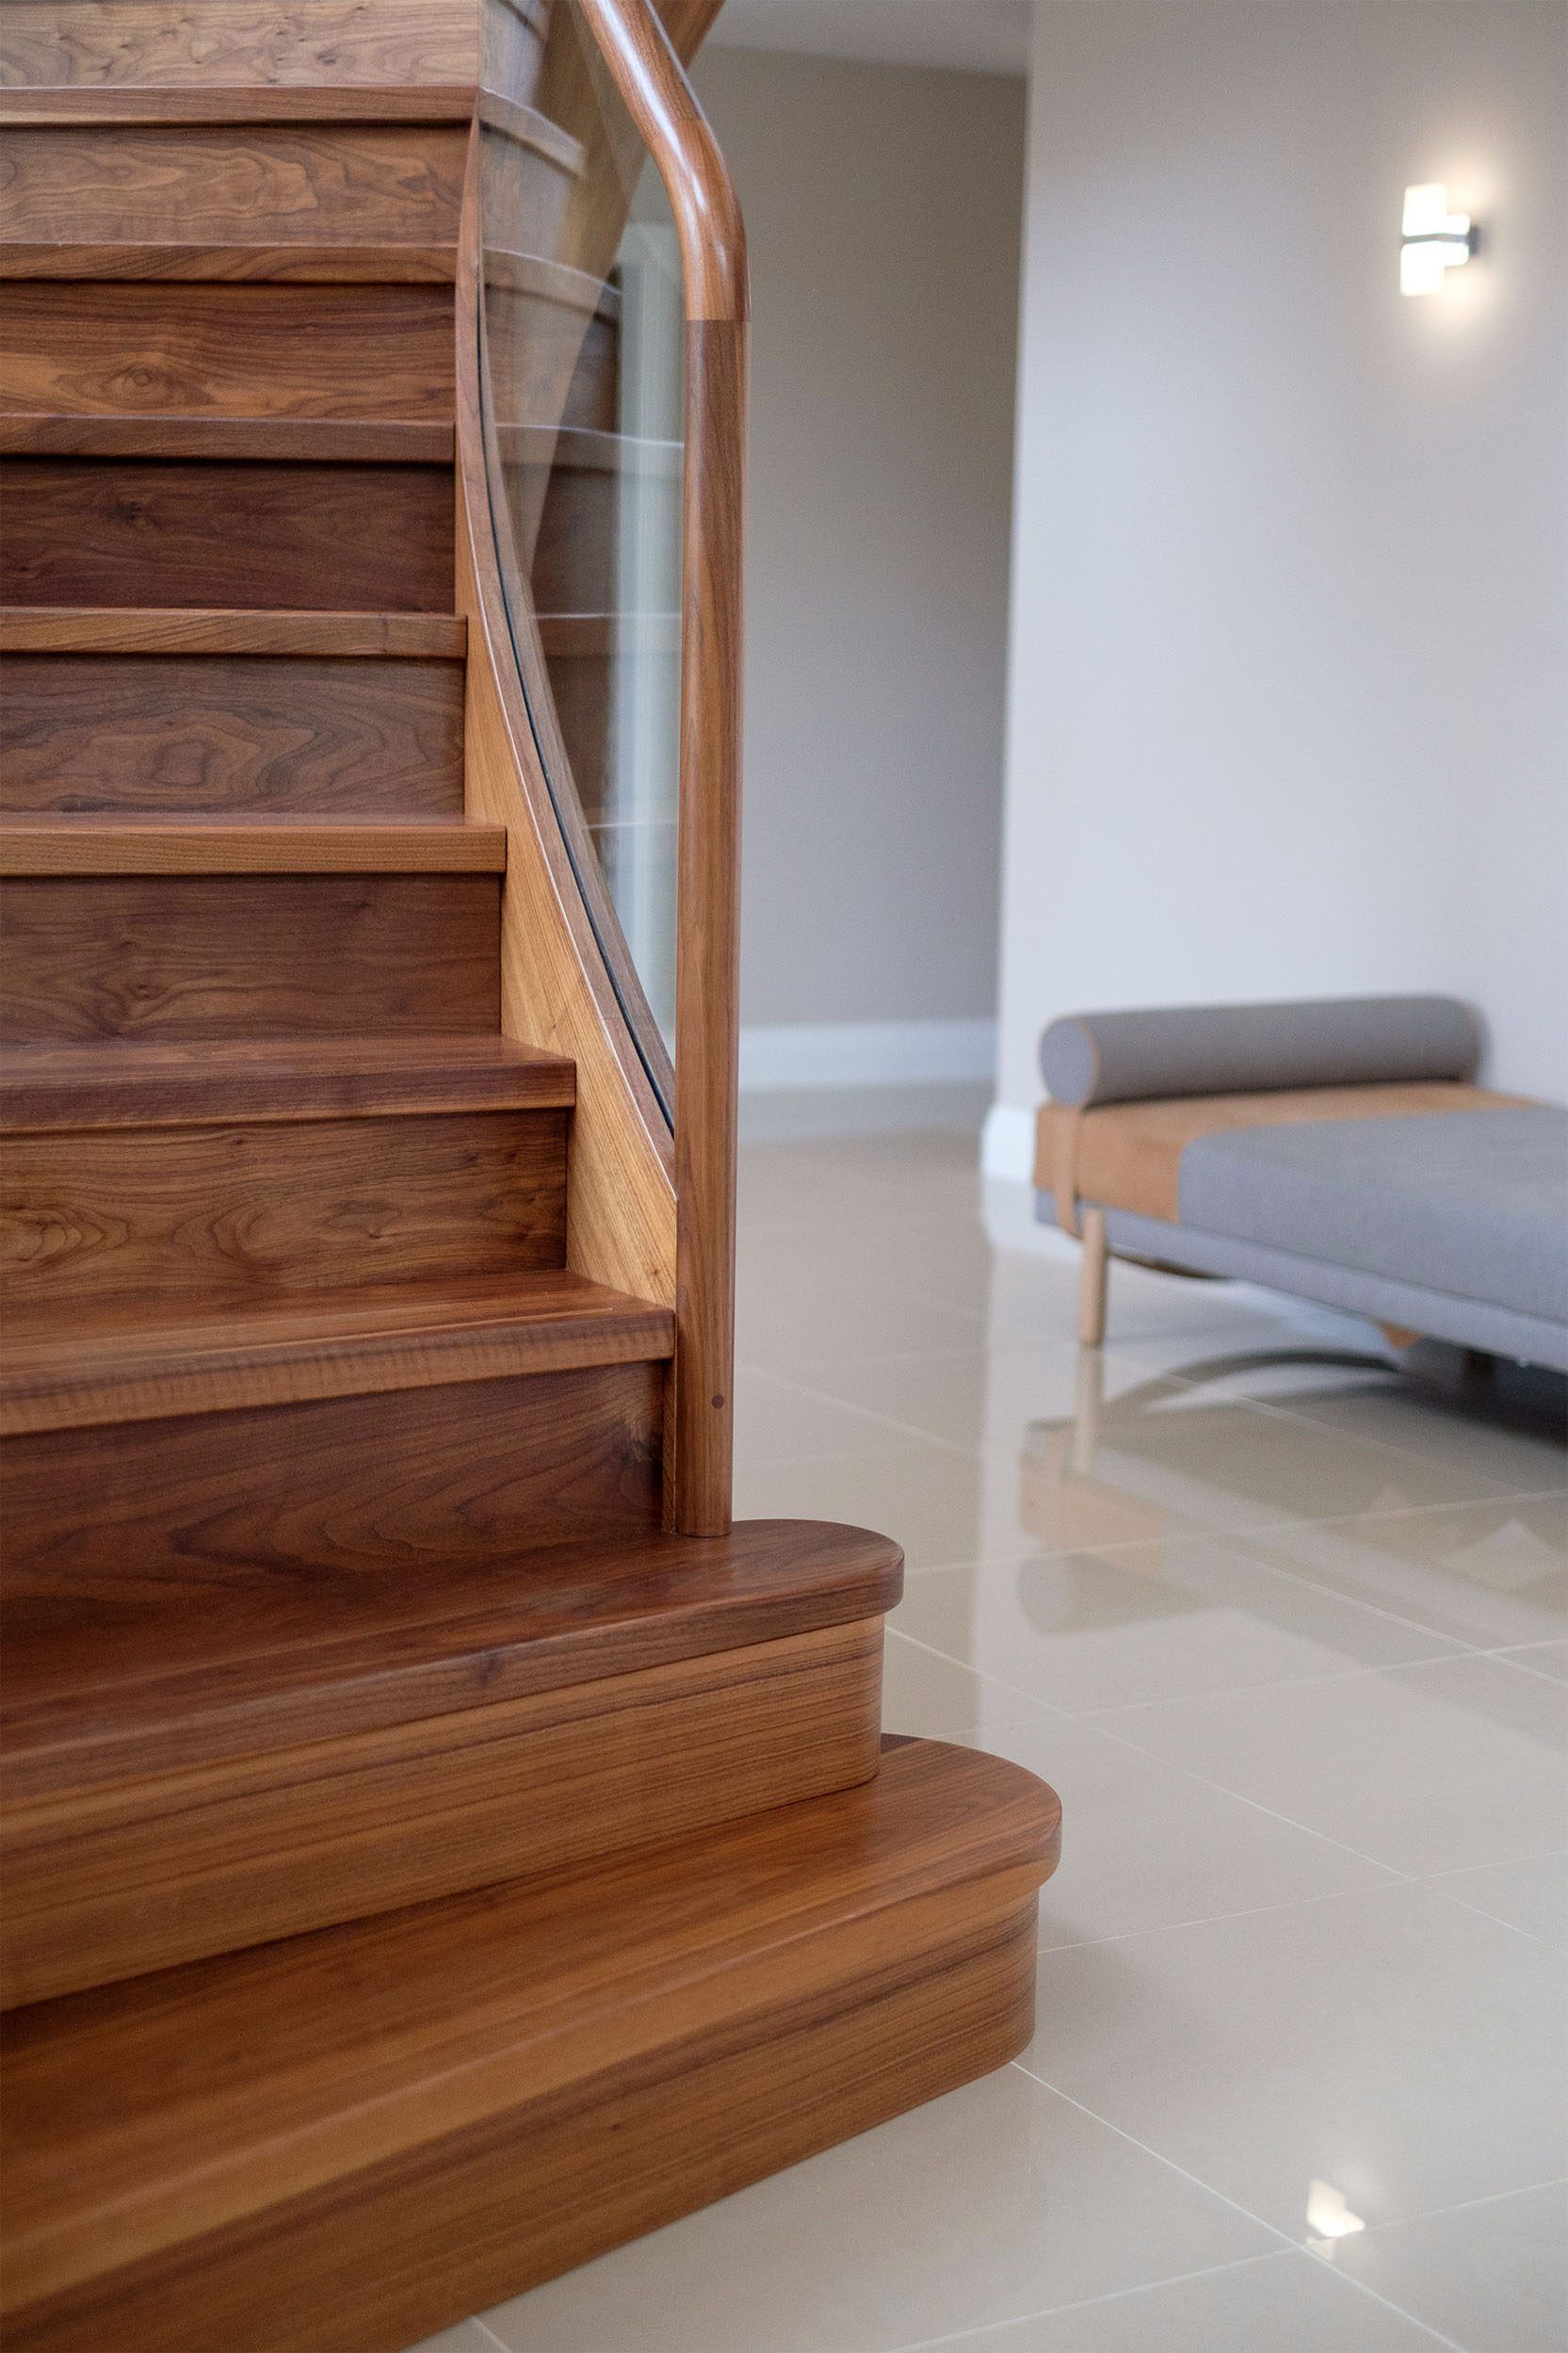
[653,87]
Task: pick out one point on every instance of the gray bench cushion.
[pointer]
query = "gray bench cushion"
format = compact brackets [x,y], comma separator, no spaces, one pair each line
[1169,1050]
[1471,1203]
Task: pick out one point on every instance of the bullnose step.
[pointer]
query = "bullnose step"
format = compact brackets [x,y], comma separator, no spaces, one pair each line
[398,2123]
[282,1754]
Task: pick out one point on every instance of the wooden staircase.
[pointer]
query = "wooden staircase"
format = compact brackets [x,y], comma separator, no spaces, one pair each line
[423,1867]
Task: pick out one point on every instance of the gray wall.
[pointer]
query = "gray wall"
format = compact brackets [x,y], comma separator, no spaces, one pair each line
[1288,709]
[882,206]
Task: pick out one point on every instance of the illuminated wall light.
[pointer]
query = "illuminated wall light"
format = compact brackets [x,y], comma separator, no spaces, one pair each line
[1434,239]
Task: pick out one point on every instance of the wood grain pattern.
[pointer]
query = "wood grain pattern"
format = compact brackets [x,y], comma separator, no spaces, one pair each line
[213,956]
[151,629]
[661,103]
[178,735]
[72,104]
[399,184]
[1093,1276]
[169,43]
[647,73]
[320,440]
[556,991]
[111,351]
[532,177]
[87,532]
[452,1475]
[798,1978]
[69,845]
[123,1084]
[127,1367]
[1128,1156]
[215,261]
[240,1658]
[707,970]
[108,1883]
[193,1217]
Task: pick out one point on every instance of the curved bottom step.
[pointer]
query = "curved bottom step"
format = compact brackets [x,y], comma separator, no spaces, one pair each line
[357,2138]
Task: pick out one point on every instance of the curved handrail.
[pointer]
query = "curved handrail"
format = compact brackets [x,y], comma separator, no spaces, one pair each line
[655,91]
[638,54]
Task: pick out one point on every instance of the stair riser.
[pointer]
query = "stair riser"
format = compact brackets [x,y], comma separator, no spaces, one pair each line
[317,538]
[249,185]
[98,350]
[167,44]
[872,2020]
[172,1870]
[236,956]
[226,351]
[216,737]
[243,1215]
[459,1475]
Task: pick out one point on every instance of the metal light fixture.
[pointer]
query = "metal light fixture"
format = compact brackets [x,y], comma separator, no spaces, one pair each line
[1433,241]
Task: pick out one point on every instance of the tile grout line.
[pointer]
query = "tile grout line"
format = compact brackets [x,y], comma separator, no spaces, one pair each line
[1385,1446]
[1197,1534]
[1512,1926]
[1155,1372]
[1296,2246]
[1291,1682]
[1086,2303]
[1170,2163]
[1150,1755]
[1227,1691]
[1245,1912]
[1385,2301]
[1463,2205]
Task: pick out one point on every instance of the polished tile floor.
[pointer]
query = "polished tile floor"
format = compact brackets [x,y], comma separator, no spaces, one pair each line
[1286,1629]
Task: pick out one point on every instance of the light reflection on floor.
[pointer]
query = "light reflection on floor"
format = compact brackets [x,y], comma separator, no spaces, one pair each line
[1288,1630]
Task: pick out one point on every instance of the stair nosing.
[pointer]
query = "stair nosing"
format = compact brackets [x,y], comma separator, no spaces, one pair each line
[217,630]
[65,1089]
[65,106]
[234,440]
[955,1840]
[153,1369]
[651,1602]
[65,844]
[228,261]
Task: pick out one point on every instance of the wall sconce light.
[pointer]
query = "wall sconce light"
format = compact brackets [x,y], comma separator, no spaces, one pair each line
[1433,241]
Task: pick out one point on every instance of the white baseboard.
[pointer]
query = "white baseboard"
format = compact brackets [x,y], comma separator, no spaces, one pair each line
[1007,1147]
[867,1054]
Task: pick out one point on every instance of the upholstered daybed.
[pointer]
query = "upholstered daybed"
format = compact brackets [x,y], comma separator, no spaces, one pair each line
[1339,1150]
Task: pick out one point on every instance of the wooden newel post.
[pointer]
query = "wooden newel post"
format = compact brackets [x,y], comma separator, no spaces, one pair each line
[707,970]
[637,48]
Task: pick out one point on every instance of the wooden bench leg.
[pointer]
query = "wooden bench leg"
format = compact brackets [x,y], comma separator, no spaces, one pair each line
[1093,1276]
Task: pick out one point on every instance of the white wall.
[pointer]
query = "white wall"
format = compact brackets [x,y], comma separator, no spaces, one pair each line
[882,208]
[1289,673]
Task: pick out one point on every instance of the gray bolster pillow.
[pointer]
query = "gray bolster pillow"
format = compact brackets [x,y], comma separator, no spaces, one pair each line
[1137,1057]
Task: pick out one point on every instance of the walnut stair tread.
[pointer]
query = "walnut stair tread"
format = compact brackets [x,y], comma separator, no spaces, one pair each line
[130,1366]
[124,1083]
[386,2126]
[246,845]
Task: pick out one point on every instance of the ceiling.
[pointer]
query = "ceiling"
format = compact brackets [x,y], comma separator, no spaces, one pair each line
[978,36]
